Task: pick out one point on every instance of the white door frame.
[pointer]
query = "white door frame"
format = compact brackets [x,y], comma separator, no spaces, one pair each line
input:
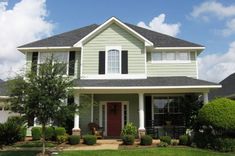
[104,103]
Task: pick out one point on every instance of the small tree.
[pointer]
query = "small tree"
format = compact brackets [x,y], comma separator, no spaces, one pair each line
[41,93]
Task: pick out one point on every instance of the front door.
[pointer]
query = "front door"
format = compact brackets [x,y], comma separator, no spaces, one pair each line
[114,118]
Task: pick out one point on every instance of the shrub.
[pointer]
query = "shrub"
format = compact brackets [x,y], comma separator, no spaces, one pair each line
[61,138]
[219,114]
[224,144]
[60,131]
[184,140]
[166,139]
[36,133]
[202,140]
[129,129]
[146,140]
[89,139]
[22,133]
[49,133]
[162,144]
[128,139]
[74,139]
[9,133]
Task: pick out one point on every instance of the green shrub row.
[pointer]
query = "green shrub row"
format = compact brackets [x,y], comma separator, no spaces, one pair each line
[89,139]
[51,133]
[74,139]
[128,139]
[146,140]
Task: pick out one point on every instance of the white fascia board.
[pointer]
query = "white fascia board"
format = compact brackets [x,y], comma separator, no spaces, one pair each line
[43,48]
[154,87]
[176,48]
[112,19]
[4,97]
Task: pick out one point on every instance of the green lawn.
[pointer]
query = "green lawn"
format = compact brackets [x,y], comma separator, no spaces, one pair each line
[168,151]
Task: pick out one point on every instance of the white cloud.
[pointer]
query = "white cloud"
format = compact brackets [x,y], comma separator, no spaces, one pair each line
[207,10]
[24,23]
[158,24]
[216,67]
[213,8]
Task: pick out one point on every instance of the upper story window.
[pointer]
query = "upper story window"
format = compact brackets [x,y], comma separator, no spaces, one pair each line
[170,56]
[113,61]
[64,61]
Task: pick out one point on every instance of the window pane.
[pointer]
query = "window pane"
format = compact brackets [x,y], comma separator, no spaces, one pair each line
[160,105]
[113,61]
[156,56]
[60,57]
[182,56]
[44,57]
[169,56]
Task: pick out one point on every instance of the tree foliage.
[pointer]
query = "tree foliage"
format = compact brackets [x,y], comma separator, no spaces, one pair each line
[41,94]
[219,113]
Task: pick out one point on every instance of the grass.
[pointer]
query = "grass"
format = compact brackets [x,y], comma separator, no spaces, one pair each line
[168,151]
[33,144]
[18,153]
[160,151]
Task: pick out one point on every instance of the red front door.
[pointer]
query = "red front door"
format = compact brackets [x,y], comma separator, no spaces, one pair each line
[114,118]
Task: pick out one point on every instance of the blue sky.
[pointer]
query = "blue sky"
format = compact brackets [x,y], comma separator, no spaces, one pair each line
[210,23]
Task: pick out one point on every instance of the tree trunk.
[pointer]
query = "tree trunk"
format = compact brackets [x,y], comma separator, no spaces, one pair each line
[43,139]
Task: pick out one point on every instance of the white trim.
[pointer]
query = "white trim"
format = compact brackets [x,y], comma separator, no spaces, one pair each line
[196,64]
[152,87]
[5,97]
[122,113]
[173,48]
[44,48]
[107,48]
[109,21]
[81,63]
[113,76]
[145,59]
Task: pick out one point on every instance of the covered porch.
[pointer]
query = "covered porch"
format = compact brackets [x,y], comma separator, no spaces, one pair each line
[155,110]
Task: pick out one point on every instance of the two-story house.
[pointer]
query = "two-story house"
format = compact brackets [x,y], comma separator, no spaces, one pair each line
[133,74]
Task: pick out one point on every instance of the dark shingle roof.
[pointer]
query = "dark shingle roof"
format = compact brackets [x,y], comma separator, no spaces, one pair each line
[65,39]
[72,37]
[227,90]
[150,81]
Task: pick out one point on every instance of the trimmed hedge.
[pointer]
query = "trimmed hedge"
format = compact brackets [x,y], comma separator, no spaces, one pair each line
[219,114]
[49,133]
[60,131]
[224,144]
[128,139]
[166,139]
[184,140]
[36,133]
[146,140]
[89,139]
[74,139]
[61,138]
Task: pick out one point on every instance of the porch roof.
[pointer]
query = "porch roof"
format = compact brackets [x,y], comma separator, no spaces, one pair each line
[150,82]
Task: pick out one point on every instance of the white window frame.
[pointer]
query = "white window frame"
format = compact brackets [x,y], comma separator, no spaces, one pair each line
[107,48]
[67,63]
[171,61]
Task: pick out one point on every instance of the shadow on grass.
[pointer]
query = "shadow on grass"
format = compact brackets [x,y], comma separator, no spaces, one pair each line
[18,153]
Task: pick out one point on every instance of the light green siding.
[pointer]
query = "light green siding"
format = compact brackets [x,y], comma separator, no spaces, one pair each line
[172,69]
[78,63]
[114,36]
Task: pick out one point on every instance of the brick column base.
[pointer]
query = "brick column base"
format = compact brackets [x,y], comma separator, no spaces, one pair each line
[76,132]
[141,132]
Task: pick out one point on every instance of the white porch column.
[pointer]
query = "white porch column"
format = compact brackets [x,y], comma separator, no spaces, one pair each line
[34,122]
[141,115]
[92,107]
[205,97]
[76,130]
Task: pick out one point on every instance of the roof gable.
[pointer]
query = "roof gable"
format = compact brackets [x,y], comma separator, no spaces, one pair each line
[75,37]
